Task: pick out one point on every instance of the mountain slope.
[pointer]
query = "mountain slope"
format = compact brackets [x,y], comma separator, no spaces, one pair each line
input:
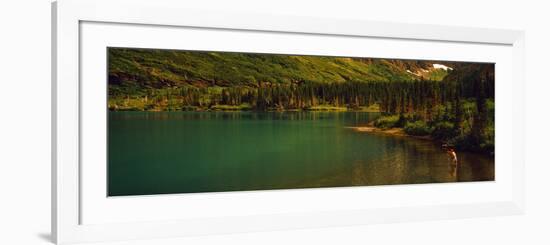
[147,68]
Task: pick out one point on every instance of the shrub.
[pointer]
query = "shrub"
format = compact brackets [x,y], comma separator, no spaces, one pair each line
[444,131]
[387,121]
[468,142]
[401,121]
[487,144]
[417,128]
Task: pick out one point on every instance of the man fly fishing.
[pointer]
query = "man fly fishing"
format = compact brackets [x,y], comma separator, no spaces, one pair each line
[453,165]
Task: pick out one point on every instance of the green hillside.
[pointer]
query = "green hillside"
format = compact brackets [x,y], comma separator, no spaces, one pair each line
[147,68]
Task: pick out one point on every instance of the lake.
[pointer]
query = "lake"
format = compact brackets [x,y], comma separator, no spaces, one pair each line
[189,152]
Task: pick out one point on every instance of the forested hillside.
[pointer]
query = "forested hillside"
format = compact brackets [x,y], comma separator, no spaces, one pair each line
[143,79]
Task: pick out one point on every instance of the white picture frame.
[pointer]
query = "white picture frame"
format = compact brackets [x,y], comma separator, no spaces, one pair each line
[68,17]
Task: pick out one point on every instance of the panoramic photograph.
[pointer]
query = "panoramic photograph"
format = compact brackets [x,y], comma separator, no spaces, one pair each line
[206,121]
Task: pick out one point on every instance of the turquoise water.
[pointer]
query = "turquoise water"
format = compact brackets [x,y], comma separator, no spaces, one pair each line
[189,152]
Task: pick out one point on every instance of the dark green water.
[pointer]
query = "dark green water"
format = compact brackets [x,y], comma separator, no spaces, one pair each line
[187,152]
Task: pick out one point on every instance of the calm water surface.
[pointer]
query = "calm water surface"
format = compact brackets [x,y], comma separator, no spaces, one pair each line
[186,152]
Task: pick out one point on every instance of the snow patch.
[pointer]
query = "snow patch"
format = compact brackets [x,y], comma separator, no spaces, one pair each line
[440,66]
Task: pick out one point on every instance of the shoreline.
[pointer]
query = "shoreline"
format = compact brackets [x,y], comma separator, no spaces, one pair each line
[240,110]
[390,131]
[245,107]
